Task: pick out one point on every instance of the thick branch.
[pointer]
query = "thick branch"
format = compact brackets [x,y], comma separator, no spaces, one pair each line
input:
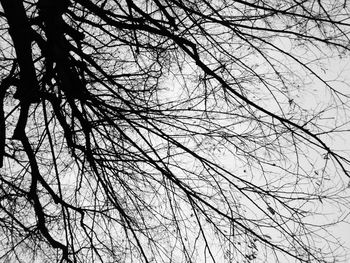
[19,30]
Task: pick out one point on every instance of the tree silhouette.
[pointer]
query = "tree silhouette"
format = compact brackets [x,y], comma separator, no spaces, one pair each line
[171,130]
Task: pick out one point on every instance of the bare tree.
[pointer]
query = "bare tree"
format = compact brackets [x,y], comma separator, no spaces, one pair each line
[171,130]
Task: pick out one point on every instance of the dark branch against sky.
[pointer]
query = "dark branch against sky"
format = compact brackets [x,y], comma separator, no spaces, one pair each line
[173,130]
